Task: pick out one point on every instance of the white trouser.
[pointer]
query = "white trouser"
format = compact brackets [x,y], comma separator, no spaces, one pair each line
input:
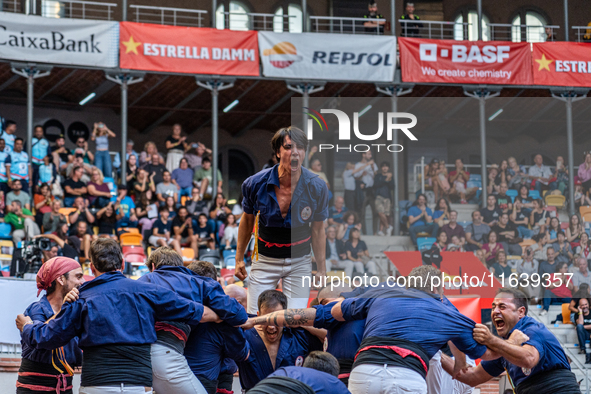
[114,390]
[438,381]
[171,373]
[31,229]
[173,159]
[296,275]
[153,240]
[347,265]
[383,379]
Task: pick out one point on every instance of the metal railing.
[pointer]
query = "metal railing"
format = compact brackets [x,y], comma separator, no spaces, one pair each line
[583,33]
[168,15]
[257,21]
[342,25]
[434,29]
[519,33]
[76,9]
[11,6]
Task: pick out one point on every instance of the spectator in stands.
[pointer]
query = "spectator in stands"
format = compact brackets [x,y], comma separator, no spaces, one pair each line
[86,168]
[336,255]
[504,202]
[373,26]
[196,205]
[9,134]
[46,172]
[528,266]
[453,229]
[539,218]
[81,214]
[503,174]
[161,232]
[491,186]
[101,134]
[53,219]
[383,184]
[516,177]
[500,267]
[99,193]
[61,245]
[583,322]
[441,242]
[357,252]
[155,169]
[131,175]
[508,235]
[583,248]
[237,209]
[582,275]
[337,211]
[364,185]
[456,244]
[540,173]
[74,187]
[410,29]
[18,195]
[144,183]
[218,212]
[182,229]
[182,178]
[18,166]
[491,213]
[559,290]
[432,176]
[106,220]
[147,155]
[420,218]
[458,179]
[541,247]
[170,204]
[581,199]
[316,168]
[351,201]
[39,149]
[166,189]
[491,247]
[229,232]
[22,222]
[194,154]
[130,152]
[574,230]
[584,172]
[203,178]
[350,221]
[561,175]
[479,253]
[146,211]
[562,249]
[82,147]
[553,229]
[476,232]
[81,239]
[42,201]
[126,210]
[61,156]
[442,181]
[583,292]
[204,232]
[527,203]
[175,145]
[441,214]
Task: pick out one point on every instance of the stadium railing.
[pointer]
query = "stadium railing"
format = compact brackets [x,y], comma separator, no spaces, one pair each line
[342,25]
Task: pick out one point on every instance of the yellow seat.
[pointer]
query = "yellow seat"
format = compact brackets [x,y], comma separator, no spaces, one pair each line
[584,209]
[128,239]
[566,314]
[95,230]
[586,217]
[66,212]
[188,253]
[150,250]
[555,200]
[526,243]
[183,200]
[131,230]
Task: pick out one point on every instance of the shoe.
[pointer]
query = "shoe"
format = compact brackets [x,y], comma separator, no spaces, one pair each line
[381,233]
[582,351]
[544,313]
[389,231]
[587,358]
[463,202]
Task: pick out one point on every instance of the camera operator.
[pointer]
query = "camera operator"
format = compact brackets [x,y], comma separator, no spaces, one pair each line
[61,245]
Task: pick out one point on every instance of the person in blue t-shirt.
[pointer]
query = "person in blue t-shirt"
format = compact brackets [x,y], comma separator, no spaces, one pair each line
[532,356]
[126,213]
[161,231]
[420,219]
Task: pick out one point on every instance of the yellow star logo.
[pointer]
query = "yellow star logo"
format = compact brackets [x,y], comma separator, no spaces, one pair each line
[131,45]
[544,63]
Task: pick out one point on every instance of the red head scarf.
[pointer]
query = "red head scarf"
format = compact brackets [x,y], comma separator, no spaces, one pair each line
[53,269]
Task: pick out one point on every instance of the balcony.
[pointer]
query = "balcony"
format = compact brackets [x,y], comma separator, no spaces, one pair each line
[168,15]
[341,25]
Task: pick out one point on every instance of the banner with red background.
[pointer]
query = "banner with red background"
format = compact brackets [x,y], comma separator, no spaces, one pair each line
[562,64]
[470,62]
[190,50]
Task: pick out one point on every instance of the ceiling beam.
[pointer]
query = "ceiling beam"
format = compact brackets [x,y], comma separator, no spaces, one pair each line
[164,78]
[56,85]
[9,82]
[267,112]
[167,115]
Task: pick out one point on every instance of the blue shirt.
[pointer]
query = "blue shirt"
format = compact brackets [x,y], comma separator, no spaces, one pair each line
[19,165]
[200,289]
[39,150]
[416,211]
[113,310]
[209,344]
[343,338]
[414,316]
[126,205]
[551,354]
[46,173]
[8,140]
[184,178]
[309,201]
[295,343]
[336,215]
[42,311]
[320,382]
[3,156]
[163,228]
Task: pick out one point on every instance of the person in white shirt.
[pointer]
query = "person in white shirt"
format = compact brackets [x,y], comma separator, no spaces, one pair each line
[540,173]
[364,184]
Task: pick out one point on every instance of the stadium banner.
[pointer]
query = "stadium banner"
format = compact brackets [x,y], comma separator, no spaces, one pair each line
[190,50]
[77,42]
[562,64]
[342,57]
[470,62]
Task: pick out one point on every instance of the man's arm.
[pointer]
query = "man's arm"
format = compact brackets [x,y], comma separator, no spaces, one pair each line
[244,232]
[472,376]
[285,318]
[524,356]
[58,332]
[319,247]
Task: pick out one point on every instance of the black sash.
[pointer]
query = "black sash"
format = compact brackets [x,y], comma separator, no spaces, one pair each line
[111,365]
[556,381]
[284,242]
[281,385]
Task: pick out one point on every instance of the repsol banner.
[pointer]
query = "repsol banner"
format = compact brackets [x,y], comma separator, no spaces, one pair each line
[342,57]
[59,41]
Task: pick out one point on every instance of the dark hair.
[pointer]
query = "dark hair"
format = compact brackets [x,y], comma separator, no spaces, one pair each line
[227,217]
[322,361]
[38,125]
[105,255]
[348,214]
[416,202]
[446,204]
[163,208]
[519,297]
[560,265]
[165,171]
[202,214]
[18,139]
[488,236]
[9,123]
[272,298]
[53,285]
[17,180]
[204,268]
[560,232]
[297,136]
[206,159]
[164,256]
[538,237]
[385,163]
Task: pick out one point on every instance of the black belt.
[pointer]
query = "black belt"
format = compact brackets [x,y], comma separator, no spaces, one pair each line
[561,381]
[281,385]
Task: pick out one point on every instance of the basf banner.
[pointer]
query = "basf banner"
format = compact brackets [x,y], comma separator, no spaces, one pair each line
[60,41]
[562,64]
[188,49]
[474,62]
[342,57]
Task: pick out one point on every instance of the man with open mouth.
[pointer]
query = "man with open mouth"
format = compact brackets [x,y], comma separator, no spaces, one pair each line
[529,352]
[286,205]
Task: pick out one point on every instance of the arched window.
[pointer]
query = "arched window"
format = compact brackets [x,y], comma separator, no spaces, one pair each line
[534,32]
[237,19]
[295,19]
[51,9]
[470,32]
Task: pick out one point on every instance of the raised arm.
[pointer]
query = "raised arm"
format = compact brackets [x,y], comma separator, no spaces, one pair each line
[285,318]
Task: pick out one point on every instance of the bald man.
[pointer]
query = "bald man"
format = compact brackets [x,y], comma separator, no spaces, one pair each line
[238,293]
